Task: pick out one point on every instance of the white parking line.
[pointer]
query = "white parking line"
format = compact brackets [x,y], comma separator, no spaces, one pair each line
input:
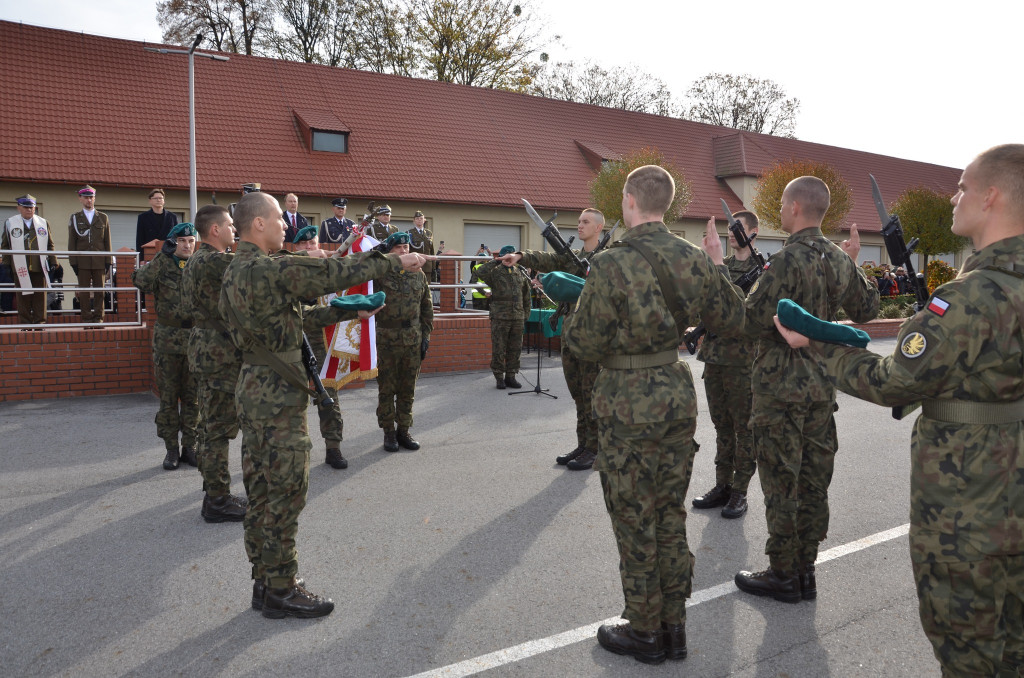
[532,648]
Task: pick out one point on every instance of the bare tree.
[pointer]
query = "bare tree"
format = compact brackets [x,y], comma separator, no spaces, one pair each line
[627,88]
[743,102]
[381,39]
[230,25]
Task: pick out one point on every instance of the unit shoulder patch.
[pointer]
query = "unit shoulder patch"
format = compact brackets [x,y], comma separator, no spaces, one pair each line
[913,345]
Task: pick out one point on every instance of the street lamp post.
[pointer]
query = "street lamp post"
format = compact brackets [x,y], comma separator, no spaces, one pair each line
[193,199]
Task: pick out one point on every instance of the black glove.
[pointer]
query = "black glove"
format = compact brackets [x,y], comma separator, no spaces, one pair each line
[170,245]
[424,345]
[74,267]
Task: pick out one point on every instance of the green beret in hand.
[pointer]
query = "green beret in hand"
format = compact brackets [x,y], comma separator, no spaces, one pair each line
[793,316]
[561,286]
[359,302]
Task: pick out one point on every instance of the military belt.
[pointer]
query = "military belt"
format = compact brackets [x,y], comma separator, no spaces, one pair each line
[394,324]
[506,298]
[287,357]
[971,412]
[635,362]
[170,322]
[208,325]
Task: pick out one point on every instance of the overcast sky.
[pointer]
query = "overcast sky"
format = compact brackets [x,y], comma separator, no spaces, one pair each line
[931,81]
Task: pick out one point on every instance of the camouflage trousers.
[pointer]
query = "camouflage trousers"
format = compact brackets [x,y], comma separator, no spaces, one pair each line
[973,614]
[219,426]
[397,369]
[275,471]
[580,376]
[795,445]
[645,473]
[728,393]
[176,383]
[331,424]
[506,345]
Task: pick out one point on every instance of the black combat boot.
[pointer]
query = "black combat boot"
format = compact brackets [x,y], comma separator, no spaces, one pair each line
[564,459]
[737,505]
[675,640]
[334,458]
[171,460]
[259,591]
[499,382]
[510,381]
[715,497]
[808,585]
[390,440]
[782,586]
[645,646]
[405,440]
[583,462]
[295,601]
[223,509]
[188,455]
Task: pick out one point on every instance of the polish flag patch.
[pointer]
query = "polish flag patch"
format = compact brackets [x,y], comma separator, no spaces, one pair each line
[938,306]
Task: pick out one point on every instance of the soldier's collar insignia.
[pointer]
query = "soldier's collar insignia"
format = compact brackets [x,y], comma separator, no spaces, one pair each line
[913,345]
[181,263]
[938,306]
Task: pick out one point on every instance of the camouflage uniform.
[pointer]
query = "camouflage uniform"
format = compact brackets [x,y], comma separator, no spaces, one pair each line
[793,400]
[579,374]
[647,415]
[259,300]
[966,484]
[407,318]
[215,362]
[161,277]
[726,377]
[509,308]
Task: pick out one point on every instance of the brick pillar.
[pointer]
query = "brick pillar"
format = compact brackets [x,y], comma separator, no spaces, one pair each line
[124,300]
[449,276]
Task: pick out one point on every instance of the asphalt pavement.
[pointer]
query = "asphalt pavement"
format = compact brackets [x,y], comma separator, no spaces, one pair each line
[476,555]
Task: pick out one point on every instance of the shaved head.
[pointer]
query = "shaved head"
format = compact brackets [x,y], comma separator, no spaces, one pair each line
[813,195]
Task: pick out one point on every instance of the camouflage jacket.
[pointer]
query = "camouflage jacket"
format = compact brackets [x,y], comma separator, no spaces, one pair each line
[545,262]
[815,273]
[408,314]
[966,483]
[737,351]
[260,302]
[161,277]
[210,351]
[510,290]
[622,311]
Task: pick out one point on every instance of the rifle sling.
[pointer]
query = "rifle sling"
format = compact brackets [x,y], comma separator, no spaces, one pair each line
[668,290]
[261,355]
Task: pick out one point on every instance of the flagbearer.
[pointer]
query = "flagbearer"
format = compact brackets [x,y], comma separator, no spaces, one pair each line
[28,231]
[403,335]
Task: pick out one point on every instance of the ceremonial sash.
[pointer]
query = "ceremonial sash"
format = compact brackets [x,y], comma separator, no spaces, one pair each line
[351,344]
[16,232]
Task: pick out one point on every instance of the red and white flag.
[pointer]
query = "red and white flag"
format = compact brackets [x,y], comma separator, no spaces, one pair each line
[352,344]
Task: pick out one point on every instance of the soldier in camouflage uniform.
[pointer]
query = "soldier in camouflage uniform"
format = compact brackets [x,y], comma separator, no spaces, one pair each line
[509,308]
[793,400]
[579,374]
[161,277]
[214,361]
[961,356]
[726,377]
[260,302]
[645,404]
[403,335]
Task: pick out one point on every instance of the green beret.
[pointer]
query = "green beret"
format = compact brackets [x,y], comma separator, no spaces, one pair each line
[507,249]
[305,233]
[359,302]
[400,238]
[561,286]
[185,228]
[793,316]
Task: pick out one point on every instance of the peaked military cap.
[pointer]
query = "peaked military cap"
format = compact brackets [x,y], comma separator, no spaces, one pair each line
[26,200]
[87,191]
[340,202]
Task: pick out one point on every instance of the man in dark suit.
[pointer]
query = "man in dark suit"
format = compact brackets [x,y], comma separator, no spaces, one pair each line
[337,228]
[296,222]
[156,222]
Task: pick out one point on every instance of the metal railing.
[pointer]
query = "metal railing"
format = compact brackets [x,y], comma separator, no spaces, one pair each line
[60,288]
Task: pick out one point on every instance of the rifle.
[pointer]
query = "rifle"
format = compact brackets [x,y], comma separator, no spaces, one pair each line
[555,239]
[744,282]
[563,307]
[322,399]
[899,250]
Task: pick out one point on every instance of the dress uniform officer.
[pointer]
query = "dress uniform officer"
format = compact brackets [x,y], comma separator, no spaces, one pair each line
[960,357]
[381,226]
[89,231]
[337,228]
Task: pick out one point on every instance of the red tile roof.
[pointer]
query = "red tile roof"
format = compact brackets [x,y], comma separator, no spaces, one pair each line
[108,112]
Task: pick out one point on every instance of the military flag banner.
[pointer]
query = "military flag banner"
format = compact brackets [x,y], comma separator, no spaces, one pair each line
[352,344]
